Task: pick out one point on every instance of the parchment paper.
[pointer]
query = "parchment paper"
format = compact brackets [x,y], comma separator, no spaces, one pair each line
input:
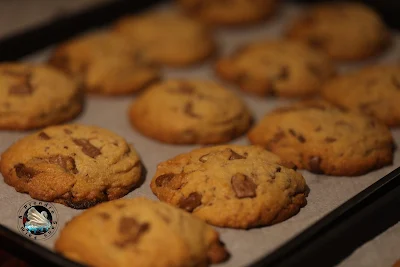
[246,246]
[382,251]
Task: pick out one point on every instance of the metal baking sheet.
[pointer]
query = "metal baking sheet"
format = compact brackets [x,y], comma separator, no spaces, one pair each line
[246,246]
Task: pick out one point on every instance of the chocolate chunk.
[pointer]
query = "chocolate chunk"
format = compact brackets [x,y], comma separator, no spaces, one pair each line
[65,162]
[44,136]
[298,136]
[316,41]
[87,148]
[67,131]
[131,230]
[330,139]
[275,139]
[191,202]
[183,88]
[243,186]
[24,172]
[315,165]
[278,169]
[314,70]
[283,73]
[235,155]
[396,82]
[204,158]
[104,216]
[189,110]
[164,179]
[83,204]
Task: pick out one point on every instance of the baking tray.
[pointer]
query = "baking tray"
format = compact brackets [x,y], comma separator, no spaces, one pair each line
[323,233]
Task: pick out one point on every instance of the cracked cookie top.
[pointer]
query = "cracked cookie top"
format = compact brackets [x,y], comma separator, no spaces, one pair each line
[373,90]
[140,232]
[276,67]
[33,96]
[321,138]
[190,111]
[74,165]
[231,186]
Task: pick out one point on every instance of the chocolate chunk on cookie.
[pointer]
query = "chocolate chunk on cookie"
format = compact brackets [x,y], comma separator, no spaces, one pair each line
[189,112]
[345,31]
[335,142]
[250,190]
[167,38]
[143,233]
[373,90]
[75,165]
[233,12]
[275,67]
[36,96]
[104,63]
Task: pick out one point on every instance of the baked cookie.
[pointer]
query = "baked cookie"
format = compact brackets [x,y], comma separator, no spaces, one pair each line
[189,112]
[374,90]
[231,186]
[397,263]
[345,31]
[233,12]
[75,165]
[36,96]
[318,137]
[104,63]
[139,232]
[167,38]
[276,67]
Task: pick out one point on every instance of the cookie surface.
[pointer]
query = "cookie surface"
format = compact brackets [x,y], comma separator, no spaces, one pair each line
[140,232]
[34,96]
[374,91]
[234,12]
[345,31]
[231,186]
[318,137]
[74,165]
[104,63]
[275,67]
[189,112]
[167,38]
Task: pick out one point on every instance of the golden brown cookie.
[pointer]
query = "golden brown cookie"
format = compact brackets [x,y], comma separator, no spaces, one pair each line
[276,67]
[104,63]
[139,232]
[233,12]
[75,165]
[34,96]
[345,31]
[231,186]
[318,137]
[374,91]
[189,112]
[167,38]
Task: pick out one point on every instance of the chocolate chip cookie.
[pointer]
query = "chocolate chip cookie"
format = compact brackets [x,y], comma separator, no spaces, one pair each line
[167,38]
[75,165]
[104,63]
[374,90]
[233,12]
[189,112]
[345,31]
[323,139]
[139,232]
[276,67]
[34,96]
[231,186]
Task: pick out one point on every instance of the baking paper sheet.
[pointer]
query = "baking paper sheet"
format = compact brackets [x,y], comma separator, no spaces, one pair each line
[246,246]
